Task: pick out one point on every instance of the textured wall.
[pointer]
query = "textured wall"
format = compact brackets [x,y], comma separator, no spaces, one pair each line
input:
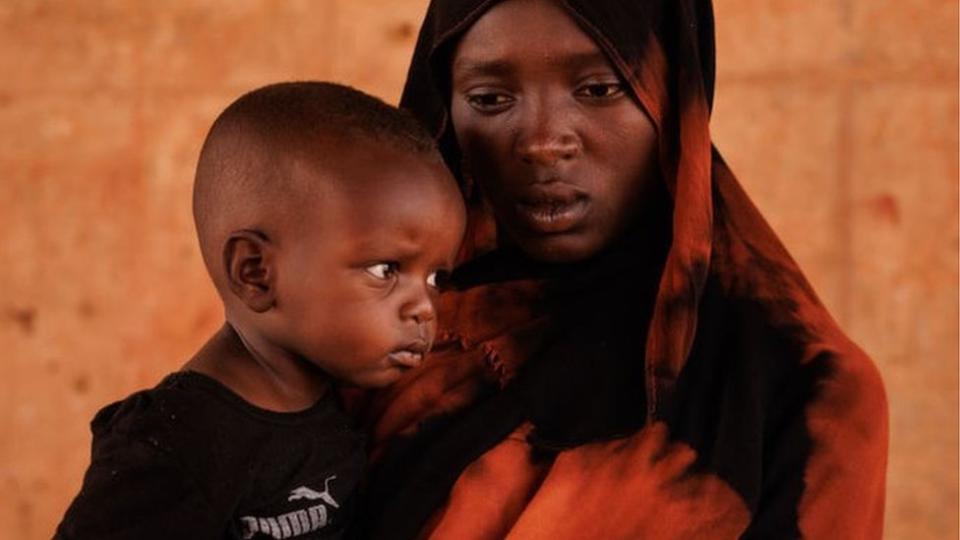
[840,117]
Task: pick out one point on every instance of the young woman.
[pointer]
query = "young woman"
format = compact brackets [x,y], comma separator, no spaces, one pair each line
[629,351]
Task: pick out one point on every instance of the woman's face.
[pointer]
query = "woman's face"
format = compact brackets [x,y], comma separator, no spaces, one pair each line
[559,147]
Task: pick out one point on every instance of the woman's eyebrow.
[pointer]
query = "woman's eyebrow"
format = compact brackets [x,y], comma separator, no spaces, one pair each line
[584,60]
[573,60]
[469,67]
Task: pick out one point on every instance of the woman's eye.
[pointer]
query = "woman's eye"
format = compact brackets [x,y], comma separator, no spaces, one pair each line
[489,101]
[382,270]
[600,90]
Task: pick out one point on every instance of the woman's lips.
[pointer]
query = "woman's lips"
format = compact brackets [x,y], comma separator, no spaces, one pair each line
[552,214]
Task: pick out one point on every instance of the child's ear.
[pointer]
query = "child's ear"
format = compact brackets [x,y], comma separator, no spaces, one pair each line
[248,258]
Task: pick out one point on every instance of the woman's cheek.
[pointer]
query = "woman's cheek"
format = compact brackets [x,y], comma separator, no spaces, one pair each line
[487,166]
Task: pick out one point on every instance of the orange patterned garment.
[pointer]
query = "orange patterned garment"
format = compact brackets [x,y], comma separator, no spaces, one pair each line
[686,383]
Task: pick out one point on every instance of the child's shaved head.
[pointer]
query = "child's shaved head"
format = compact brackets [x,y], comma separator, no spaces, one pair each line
[326,219]
[247,173]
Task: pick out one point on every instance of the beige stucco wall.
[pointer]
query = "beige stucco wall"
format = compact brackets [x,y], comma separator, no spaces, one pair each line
[839,116]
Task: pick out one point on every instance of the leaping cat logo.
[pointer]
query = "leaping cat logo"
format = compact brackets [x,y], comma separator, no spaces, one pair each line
[303,492]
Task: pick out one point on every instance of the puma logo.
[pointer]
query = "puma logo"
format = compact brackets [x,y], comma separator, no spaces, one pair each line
[297,522]
[303,492]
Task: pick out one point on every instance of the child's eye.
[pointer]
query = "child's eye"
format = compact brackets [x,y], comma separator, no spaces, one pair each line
[489,101]
[385,270]
[600,90]
[437,279]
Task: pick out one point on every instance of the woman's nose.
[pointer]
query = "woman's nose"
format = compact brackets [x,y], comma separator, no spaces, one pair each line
[548,151]
[546,137]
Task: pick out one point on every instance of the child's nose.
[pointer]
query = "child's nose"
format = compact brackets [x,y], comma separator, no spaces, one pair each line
[419,308]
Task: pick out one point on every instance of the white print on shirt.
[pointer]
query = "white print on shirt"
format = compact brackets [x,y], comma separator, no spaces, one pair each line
[303,492]
[297,522]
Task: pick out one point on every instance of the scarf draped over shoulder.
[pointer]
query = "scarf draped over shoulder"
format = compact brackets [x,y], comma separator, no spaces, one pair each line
[685,384]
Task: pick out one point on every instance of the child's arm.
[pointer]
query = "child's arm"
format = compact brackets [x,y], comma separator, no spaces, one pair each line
[135,489]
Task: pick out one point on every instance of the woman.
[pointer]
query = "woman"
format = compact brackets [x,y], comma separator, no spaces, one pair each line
[630,351]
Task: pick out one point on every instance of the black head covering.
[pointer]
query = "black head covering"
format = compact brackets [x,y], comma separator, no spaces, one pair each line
[664,50]
[739,359]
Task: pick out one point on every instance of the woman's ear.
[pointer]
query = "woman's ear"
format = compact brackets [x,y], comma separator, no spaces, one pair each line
[248,258]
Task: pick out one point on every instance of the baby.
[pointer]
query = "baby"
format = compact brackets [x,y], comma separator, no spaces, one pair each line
[326,219]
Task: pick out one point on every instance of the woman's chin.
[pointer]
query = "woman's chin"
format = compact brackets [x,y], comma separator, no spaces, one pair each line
[558,248]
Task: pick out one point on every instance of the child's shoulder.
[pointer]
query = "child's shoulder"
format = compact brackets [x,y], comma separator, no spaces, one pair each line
[188,422]
[157,467]
[189,410]
[169,403]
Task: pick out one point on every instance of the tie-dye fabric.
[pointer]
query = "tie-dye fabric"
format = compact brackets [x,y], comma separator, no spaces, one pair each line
[686,384]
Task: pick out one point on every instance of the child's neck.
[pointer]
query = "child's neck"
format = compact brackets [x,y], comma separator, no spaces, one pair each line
[275,382]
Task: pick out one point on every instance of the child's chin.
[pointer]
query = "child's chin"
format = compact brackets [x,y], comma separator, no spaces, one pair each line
[381,379]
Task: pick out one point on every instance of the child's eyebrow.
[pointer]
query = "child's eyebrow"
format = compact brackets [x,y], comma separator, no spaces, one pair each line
[393,250]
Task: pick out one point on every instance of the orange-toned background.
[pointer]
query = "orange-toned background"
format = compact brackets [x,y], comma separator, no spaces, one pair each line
[840,117]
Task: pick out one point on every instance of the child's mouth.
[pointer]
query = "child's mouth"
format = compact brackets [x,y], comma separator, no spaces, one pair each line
[410,356]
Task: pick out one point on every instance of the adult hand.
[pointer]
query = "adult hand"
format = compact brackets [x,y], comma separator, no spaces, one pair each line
[638,487]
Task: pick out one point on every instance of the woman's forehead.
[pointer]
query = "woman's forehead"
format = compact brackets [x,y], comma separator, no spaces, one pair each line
[528,31]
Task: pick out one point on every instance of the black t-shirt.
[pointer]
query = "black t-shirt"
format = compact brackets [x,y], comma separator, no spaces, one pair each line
[191,459]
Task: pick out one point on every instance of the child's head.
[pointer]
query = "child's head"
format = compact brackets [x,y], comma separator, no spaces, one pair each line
[324,216]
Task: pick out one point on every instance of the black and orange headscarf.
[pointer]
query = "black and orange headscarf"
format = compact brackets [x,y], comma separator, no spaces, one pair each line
[689,385]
